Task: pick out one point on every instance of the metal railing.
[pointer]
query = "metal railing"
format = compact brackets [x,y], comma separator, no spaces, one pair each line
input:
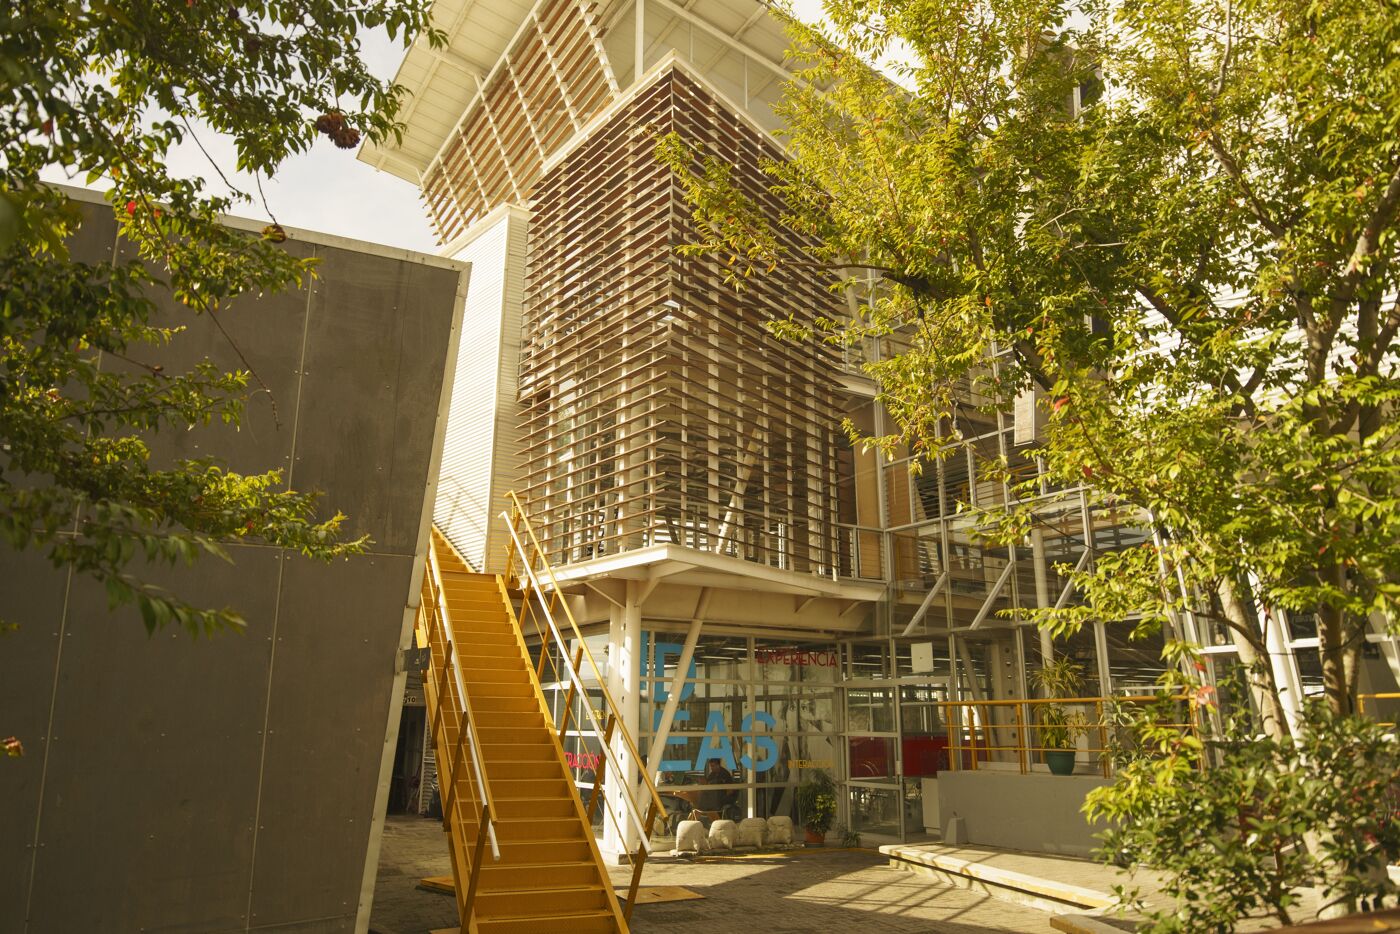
[1001,733]
[434,632]
[1361,700]
[528,566]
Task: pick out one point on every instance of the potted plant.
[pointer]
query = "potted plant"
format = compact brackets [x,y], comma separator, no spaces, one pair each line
[1060,728]
[816,805]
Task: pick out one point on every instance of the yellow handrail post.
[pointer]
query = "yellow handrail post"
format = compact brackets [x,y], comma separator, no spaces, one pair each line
[539,667]
[1020,738]
[440,687]
[450,801]
[955,760]
[637,863]
[1103,738]
[477,856]
[600,771]
[569,702]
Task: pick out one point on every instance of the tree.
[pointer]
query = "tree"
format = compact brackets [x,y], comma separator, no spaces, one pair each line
[1177,222]
[103,91]
[1232,838]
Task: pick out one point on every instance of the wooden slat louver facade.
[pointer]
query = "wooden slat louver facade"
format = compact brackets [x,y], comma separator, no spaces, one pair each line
[553,78]
[658,409]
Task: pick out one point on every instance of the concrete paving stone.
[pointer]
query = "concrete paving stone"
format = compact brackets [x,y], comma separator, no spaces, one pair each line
[800,893]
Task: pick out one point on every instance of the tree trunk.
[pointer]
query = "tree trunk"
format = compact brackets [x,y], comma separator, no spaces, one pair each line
[1252,657]
[1335,648]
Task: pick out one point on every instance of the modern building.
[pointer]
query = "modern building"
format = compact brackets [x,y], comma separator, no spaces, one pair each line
[764,594]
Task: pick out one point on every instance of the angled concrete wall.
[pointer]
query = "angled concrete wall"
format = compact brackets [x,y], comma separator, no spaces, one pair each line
[236,783]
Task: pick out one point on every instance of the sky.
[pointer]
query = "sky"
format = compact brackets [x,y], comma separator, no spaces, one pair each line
[326,189]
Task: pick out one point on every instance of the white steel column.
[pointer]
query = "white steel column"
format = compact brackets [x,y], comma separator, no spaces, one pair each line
[630,701]
[668,713]
[1042,592]
[613,843]
[1284,664]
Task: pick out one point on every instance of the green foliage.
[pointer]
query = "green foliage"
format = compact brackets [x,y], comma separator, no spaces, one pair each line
[816,802]
[101,91]
[1268,820]
[1060,727]
[1176,223]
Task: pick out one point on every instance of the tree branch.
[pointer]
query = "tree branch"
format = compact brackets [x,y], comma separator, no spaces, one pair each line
[1232,169]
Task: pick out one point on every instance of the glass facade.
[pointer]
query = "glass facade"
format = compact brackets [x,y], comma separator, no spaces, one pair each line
[764,710]
[754,717]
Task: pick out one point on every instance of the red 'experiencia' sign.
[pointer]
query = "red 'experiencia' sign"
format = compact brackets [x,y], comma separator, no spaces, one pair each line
[795,657]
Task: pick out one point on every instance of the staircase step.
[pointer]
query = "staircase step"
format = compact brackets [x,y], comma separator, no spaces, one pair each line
[498,635]
[524,853]
[497,877]
[519,752]
[531,807]
[465,582]
[583,922]
[501,661]
[556,899]
[476,631]
[527,830]
[520,688]
[491,648]
[472,610]
[510,674]
[486,705]
[515,771]
[527,788]
[525,718]
[516,733]
[452,583]
[474,575]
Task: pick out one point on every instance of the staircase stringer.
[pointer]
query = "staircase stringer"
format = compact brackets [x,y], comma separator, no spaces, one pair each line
[447,726]
[603,878]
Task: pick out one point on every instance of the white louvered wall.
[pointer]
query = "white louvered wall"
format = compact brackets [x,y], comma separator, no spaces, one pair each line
[480,449]
[506,457]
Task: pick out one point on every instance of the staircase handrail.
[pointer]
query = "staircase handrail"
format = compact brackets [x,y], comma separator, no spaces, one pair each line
[486,809]
[574,675]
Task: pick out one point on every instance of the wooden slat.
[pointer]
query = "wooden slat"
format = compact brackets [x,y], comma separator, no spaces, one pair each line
[657,407]
[553,79]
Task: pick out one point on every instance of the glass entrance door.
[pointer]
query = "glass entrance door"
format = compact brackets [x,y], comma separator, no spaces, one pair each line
[895,736]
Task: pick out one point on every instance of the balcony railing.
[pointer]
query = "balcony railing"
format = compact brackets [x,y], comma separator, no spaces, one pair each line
[1007,734]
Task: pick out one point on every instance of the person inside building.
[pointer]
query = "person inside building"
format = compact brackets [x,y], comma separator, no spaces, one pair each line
[678,803]
[718,802]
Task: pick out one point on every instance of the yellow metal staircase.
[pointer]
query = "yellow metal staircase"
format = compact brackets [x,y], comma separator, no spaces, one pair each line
[524,858]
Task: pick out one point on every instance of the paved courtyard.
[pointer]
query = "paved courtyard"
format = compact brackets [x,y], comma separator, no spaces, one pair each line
[800,893]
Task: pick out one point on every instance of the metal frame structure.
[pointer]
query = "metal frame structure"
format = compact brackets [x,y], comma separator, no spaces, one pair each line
[684,469]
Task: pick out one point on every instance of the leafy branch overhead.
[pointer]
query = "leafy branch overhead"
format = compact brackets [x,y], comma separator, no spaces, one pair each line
[1171,227]
[102,92]
[1174,225]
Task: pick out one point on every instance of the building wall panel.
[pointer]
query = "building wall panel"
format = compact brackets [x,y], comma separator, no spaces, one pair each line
[233,783]
[463,505]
